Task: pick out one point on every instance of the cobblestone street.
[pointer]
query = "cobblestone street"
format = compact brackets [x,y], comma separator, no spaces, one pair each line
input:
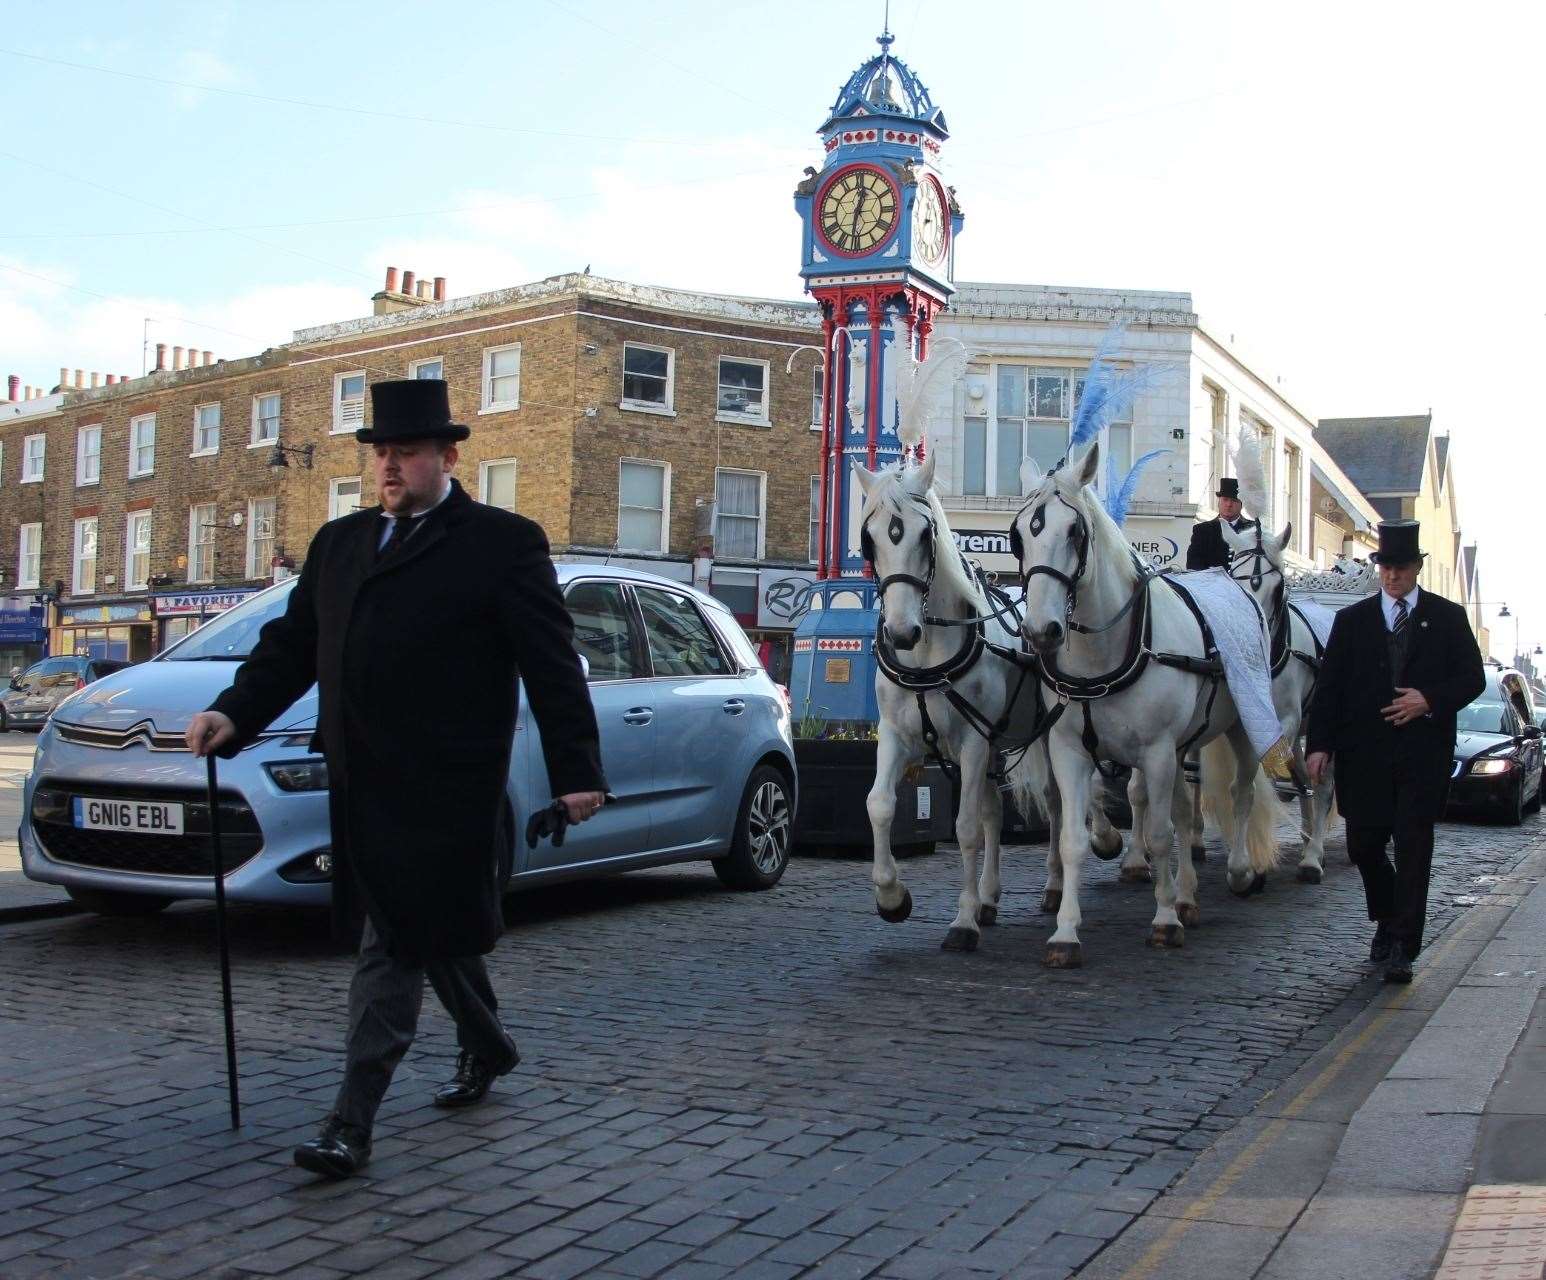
[713,1083]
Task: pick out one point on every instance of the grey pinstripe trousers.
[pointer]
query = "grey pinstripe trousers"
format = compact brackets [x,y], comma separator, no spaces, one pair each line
[385,996]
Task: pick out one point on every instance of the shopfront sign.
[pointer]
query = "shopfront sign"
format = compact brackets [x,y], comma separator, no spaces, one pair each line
[783,598]
[21,621]
[199,603]
[87,615]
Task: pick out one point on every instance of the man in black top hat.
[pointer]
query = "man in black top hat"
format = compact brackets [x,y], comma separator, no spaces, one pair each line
[1207,549]
[1398,667]
[416,790]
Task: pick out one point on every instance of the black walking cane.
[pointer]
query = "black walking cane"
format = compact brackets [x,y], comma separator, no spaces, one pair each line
[225,948]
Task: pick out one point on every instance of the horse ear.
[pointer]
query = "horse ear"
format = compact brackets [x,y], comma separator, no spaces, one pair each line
[1085,467]
[1031,475]
[865,476]
[1285,536]
[923,474]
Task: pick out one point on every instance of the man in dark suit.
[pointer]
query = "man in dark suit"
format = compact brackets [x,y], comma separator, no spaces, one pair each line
[1207,549]
[1398,667]
[428,581]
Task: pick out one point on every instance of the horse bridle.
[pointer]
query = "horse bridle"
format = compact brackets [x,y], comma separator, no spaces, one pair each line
[1259,557]
[894,531]
[1038,522]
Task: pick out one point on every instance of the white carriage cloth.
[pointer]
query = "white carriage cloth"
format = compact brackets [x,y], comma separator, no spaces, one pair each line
[1317,615]
[1241,635]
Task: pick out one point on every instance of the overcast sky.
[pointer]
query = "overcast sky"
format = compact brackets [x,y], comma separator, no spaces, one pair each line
[1354,190]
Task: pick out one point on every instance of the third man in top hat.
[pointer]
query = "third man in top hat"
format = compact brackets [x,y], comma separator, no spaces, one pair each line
[1398,667]
[1207,549]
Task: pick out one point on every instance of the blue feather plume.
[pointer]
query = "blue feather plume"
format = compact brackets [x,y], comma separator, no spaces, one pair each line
[1108,396]
[1120,497]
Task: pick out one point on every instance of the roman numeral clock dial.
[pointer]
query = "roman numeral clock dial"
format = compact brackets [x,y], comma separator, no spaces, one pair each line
[858,212]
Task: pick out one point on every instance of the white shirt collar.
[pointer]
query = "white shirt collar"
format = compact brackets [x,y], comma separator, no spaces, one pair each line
[1389,605]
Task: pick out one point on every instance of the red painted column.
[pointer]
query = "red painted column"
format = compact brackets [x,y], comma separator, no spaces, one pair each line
[823,491]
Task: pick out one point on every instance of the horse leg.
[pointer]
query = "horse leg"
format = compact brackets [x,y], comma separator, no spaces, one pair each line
[1187,911]
[1071,769]
[1159,769]
[1105,839]
[1052,896]
[989,887]
[964,932]
[893,903]
[1135,866]
[1244,879]
[1312,817]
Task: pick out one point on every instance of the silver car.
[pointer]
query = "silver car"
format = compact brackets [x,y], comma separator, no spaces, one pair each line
[695,741]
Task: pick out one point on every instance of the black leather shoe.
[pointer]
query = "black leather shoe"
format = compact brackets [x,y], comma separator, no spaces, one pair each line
[1379,949]
[473,1078]
[1398,967]
[339,1151]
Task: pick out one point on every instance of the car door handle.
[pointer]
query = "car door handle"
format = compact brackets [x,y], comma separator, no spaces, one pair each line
[639,715]
[734,706]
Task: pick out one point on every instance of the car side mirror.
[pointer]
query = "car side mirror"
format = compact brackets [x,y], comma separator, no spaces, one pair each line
[1530,731]
[15,682]
[584,665]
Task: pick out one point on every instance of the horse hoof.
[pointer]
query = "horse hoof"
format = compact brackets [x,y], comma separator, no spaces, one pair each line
[1309,874]
[898,913]
[1188,914]
[1064,955]
[1199,854]
[987,913]
[1108,855]
[1258,883]
[959,939]
[1052,901]
[1135,875]
[1167,935]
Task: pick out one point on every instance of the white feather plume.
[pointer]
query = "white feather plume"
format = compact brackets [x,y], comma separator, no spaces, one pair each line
[1249,471]
[924,387]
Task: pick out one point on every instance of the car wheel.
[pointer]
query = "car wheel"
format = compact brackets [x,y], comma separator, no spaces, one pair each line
[4,723]
[1535,801]
[106,902]
[1514,806]
[764,826]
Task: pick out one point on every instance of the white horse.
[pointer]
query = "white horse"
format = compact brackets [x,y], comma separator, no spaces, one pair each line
[1256,562]
[1128,657]
[958,683]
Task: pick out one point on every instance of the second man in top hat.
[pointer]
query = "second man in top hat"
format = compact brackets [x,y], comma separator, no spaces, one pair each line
[1207,549]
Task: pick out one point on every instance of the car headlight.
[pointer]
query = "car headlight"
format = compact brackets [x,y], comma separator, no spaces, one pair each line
[1491,766]
[298,775]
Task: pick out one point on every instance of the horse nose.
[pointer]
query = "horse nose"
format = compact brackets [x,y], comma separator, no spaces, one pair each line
[1046,638]
[905,640]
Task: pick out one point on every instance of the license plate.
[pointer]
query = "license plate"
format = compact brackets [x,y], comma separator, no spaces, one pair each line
[149,816]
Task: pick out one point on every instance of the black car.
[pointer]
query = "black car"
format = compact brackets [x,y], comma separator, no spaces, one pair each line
[1498,751]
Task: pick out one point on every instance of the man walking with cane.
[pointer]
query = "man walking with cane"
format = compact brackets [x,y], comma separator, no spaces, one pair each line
[1398,667]
[417,786]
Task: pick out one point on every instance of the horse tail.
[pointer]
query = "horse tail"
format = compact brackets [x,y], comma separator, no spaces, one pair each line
[1218,803]
[1028,782]
[1261,835]
[1216,766]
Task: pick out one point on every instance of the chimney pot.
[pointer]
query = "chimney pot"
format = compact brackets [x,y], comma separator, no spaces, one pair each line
[408,283]
[160,357]
[12,383]
[64,377]
[177,358]
[112,378]
[80,378]
[209,357]
[96,378]
[440,288]
[423,290]
[391,281]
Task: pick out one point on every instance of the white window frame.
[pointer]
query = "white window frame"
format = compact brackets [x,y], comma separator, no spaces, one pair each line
[211,450]
[135,425]
[668,409]
[415,365]
[762,507]
[333,495]
[486,392]
[814,547]
[29,548]
[2,462]
[77,560]
[255,570]
[818,387]
[201,533]
[132,521]
[343,424]
[257,440]
[30,456]
[82,479]
[747,419]
[663,544]
[483,470]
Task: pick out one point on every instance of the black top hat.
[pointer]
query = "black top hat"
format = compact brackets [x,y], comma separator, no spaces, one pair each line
[410,409]
[1398,543]
[1229,488]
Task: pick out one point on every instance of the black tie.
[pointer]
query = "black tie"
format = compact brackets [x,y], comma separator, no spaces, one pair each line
[402,526]
[1399,625]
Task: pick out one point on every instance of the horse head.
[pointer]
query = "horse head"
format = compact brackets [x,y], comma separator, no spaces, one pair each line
[1256,562]
[896,536]
[1050,537]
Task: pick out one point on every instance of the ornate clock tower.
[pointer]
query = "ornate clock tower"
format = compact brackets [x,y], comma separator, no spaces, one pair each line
[878,228]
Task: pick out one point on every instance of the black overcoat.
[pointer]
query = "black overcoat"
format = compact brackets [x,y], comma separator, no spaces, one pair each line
[1207,549]
[1385,775]
[415,658]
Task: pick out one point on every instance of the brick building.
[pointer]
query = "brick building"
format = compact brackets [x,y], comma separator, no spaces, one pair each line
[614,414]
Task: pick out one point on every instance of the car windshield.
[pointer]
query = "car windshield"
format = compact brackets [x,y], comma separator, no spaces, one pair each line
[1482,717]
[231,636]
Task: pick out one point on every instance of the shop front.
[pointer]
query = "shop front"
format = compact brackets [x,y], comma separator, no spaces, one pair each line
[23,634]
[178,613]
[120,630]
[1159,541]
[783,598]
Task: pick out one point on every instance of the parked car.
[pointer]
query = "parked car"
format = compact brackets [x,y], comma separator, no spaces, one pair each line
[695,741]
[37,691]
[1498,752]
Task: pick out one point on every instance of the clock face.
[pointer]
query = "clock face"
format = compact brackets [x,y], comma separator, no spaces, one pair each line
[930,228]
[857,212]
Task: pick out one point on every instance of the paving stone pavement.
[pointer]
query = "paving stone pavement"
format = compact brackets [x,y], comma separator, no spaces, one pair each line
[713,1084]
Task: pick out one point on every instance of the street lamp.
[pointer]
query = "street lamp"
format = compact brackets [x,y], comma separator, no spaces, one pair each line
[276,457]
